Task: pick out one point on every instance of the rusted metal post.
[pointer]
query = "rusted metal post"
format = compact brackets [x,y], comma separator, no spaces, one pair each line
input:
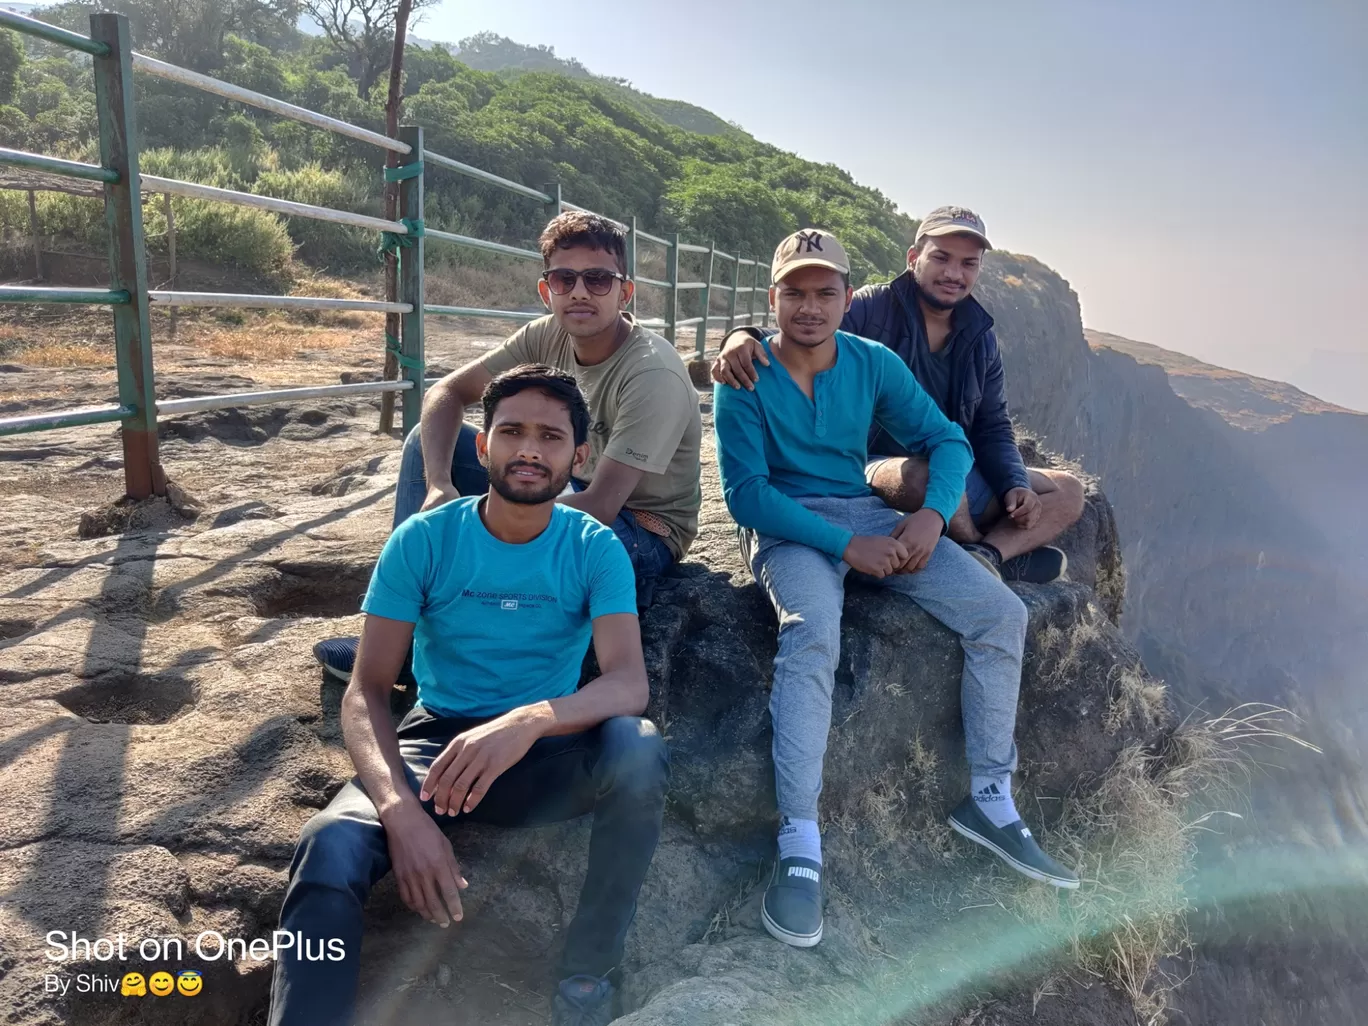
[411,355]
[735,283]
[37,236]
[701,337]
[143,474]
[632,261]
[171,253]
[755,284]
[672,294]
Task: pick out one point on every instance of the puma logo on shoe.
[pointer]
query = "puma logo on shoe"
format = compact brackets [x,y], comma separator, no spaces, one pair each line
[805,873]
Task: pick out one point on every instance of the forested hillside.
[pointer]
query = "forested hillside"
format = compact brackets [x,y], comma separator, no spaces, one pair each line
[607,145]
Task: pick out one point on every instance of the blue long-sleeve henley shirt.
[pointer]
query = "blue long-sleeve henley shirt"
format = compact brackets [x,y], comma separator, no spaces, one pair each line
[775,445]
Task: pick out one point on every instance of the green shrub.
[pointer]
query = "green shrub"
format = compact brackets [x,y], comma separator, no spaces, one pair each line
[323,244]
[239,237]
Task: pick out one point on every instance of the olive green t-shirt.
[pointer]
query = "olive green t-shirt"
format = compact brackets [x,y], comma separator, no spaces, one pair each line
[643,411]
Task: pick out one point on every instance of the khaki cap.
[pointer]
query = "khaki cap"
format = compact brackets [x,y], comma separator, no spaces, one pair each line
[952,221]
[809,248]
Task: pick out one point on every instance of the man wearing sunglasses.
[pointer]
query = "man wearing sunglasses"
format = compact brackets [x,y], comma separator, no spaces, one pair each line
[642,475]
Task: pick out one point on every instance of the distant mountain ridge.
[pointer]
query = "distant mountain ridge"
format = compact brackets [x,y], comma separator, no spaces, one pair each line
[1241,399]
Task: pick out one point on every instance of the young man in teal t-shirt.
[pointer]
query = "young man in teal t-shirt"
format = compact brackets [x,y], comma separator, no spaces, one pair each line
[499,595]
[792,456]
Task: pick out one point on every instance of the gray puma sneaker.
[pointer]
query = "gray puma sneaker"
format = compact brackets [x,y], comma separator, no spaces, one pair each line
[792,909]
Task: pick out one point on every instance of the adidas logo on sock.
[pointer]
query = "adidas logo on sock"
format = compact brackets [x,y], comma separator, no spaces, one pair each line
[989,794]
[805,873]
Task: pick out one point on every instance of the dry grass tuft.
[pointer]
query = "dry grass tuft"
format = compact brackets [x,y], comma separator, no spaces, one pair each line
[1135,697]
[64,354]
[1061,656]
[1133,841]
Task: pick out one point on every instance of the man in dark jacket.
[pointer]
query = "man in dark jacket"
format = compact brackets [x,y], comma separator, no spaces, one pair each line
[928,316]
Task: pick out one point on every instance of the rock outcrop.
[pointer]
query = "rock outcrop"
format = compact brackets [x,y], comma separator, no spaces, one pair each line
[164,735]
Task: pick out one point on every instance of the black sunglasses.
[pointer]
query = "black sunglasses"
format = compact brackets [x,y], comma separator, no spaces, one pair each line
[598,280]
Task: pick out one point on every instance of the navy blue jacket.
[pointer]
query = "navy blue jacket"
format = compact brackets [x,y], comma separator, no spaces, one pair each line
[888,313]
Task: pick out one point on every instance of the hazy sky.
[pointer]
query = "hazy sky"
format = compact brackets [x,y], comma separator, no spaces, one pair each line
[1197,169]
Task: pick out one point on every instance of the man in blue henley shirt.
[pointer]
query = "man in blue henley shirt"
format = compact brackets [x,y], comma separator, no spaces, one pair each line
[792,456]
[500,595]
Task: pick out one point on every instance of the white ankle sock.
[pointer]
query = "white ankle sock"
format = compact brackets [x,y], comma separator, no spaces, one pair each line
[994,798]
[800,839]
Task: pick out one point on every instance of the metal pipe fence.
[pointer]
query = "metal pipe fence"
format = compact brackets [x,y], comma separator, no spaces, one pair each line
[129,296]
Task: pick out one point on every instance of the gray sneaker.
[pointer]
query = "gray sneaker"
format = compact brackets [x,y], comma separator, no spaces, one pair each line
[1012,843]
[792,909]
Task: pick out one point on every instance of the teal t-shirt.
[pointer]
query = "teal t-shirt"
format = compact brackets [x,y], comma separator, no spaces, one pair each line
[498,626]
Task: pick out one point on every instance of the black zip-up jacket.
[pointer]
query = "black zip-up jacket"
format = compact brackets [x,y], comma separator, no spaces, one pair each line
[888,313]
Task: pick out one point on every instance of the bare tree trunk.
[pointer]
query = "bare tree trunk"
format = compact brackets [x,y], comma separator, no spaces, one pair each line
[392,103]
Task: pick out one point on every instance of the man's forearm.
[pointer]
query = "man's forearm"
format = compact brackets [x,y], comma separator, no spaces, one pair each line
[443,415]
[622,693]
[373,745]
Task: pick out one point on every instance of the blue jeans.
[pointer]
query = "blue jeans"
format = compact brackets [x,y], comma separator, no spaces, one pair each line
[807,590]
[618,771]
[649,554]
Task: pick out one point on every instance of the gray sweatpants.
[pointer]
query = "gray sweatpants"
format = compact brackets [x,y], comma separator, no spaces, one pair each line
[807,589]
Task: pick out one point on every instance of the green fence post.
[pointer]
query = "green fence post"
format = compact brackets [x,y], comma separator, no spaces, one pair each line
[750,299]
[412,361]
[631,261]
[553,208]
[672,294]
[701,337]
[143,474]
[764,320]
[735,283]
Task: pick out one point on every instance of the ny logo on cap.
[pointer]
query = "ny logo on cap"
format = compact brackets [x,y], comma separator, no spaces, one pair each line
[806,242]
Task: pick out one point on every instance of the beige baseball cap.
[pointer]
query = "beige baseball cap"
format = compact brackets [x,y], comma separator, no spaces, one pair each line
[810,247]
[953,221]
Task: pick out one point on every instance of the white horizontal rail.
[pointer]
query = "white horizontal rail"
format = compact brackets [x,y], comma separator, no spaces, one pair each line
[475,311]
[197,404]
[490,247]
[484,176]
[161,297]
[687,247]
[172,73]
[689,322]
[684,286]
[653,238]
[152,183]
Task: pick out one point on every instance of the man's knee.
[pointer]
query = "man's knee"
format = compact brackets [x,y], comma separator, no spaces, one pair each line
[634,756]
[901,482]
[1062,489]
[1071,494]
[335,852]
[812,643]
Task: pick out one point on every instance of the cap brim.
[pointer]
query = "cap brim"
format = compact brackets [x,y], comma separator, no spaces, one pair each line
[798,265]
[955,229]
